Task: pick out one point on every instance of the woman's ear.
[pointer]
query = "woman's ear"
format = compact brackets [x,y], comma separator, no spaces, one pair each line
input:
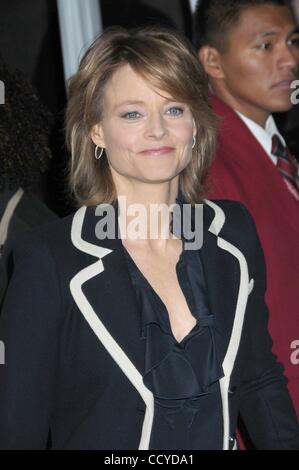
[211,62]
[97,135]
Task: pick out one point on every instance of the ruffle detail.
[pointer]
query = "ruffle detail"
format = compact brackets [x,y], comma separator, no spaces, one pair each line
[178,370]
[182,370]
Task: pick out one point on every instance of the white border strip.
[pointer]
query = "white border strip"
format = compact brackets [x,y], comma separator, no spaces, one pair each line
[234,342]
[98,327]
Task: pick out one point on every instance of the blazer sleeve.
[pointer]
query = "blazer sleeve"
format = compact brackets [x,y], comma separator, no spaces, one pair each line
[266,406]
[29,331]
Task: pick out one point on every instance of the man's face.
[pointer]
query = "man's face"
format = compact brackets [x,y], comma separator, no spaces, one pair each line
[261,60]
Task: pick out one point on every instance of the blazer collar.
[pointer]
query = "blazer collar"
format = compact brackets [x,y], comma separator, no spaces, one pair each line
[105,284]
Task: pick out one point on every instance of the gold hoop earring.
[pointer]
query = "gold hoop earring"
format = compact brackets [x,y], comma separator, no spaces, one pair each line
[194,142]
[97,155]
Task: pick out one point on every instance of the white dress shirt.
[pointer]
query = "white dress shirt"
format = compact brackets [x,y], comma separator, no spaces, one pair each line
[263,135]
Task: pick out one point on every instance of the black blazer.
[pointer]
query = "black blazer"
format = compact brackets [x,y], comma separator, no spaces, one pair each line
[75,359]
[30,212]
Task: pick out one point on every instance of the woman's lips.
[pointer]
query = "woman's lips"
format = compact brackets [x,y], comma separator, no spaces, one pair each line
[157,151]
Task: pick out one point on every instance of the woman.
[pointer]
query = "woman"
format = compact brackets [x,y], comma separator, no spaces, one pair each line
[115,338]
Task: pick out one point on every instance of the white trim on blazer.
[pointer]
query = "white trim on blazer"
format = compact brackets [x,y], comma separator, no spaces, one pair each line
[119,355]
[244,290]
[99,328]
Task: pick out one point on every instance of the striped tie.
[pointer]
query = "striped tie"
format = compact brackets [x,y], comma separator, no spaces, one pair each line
[286,164]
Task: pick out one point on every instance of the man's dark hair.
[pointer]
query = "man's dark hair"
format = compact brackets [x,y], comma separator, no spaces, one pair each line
[214,18]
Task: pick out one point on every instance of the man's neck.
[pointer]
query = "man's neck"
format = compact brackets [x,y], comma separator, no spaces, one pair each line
[259,116]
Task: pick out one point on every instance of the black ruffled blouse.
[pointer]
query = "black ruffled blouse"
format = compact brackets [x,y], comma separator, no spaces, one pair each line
[180,374]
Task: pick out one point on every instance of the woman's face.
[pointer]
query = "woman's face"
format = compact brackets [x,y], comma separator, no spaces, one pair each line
[147,135]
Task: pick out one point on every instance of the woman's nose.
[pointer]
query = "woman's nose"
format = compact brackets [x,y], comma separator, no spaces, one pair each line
[156,127]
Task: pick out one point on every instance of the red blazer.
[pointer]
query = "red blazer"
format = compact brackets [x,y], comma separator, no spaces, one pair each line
[242,171]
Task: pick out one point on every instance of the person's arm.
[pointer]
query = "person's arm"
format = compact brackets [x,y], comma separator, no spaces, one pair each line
[266,407]
[29,330]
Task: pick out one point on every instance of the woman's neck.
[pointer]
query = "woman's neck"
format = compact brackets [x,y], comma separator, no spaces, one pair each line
[145,212]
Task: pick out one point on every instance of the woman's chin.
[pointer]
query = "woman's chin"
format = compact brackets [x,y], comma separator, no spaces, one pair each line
[159,178]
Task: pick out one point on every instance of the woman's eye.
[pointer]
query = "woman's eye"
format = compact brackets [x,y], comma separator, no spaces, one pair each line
[265,45]
[175,111]
[131,115]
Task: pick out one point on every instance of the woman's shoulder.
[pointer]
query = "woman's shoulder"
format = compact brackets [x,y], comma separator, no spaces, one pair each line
[232,221]
[53,233]
[229,214]
[229,206]
[49,240]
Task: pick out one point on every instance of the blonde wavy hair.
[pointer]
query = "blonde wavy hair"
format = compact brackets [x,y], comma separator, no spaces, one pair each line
[167,60]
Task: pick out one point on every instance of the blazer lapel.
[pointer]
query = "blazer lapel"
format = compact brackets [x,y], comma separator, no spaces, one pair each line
[105,283]
[228,285]
[104,295]
[222,280]
[113,298]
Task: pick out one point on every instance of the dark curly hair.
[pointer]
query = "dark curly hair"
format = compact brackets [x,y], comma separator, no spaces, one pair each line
[25,127]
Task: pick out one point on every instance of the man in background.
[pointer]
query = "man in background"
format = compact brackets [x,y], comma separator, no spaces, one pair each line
[250,50]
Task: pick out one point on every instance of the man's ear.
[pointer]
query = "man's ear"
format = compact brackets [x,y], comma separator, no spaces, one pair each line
[211,62]
[97,135]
